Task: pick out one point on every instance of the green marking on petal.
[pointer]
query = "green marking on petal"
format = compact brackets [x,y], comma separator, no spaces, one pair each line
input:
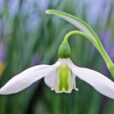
[64,78]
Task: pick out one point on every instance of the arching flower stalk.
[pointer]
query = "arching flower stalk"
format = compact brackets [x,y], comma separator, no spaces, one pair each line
[61,76]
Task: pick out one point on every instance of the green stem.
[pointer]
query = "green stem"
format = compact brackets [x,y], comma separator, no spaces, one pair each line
[98,45]
[79,33]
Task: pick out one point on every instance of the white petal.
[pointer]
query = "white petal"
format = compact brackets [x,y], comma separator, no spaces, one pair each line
[49,80]
[26,78]
[100,82]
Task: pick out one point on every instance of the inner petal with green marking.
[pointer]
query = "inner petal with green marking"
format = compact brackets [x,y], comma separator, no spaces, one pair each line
[66,79]
[64,73]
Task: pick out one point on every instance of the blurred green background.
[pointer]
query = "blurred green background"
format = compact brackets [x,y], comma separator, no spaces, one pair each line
[29,37]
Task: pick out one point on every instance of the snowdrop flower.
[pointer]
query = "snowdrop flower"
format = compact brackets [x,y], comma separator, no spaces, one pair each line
[61,76]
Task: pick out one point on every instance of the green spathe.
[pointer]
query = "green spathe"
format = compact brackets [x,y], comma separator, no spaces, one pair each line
[64,50]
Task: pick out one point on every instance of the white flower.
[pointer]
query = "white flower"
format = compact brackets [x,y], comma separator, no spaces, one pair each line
[60,77]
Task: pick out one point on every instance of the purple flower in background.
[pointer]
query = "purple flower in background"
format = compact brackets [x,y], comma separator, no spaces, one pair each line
[112,53]
[0,29]
[2,56]
[36,60]
[106,40]
[2,53]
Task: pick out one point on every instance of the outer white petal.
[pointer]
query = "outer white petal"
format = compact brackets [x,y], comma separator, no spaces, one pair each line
[26,78]
[50,79]
[102,84]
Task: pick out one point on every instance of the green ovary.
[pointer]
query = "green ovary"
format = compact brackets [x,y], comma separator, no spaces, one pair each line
[64,78]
